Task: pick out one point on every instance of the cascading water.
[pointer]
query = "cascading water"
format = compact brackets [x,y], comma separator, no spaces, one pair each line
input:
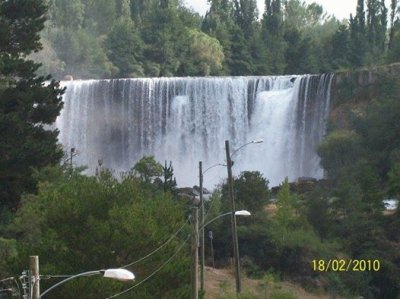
[186,120]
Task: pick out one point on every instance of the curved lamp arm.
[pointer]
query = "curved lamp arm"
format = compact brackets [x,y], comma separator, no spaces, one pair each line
[119,274]
[253,141]
[237,213]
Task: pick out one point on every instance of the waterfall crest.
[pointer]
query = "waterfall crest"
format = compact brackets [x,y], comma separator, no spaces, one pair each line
[186,120]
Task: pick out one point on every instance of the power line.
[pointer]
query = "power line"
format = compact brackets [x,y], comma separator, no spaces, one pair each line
[19,290]
[152,274]
[157,249]
[11,289]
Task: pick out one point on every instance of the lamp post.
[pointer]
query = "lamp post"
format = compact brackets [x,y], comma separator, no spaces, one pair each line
[237,213]
[233,208]
[194,247]
[118,274]
[202,215]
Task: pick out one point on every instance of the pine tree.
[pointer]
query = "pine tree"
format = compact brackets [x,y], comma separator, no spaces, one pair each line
[358,36]
[27,104]
[273,35]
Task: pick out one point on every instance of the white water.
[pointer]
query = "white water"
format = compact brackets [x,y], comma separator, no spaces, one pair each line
[185,120]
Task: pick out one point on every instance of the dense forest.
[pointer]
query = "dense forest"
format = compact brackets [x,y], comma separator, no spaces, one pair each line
[137,38]
[138,219]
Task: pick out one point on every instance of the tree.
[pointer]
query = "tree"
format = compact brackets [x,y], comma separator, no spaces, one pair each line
[393,54]
[205,55]
[251,192]
[394,22]
[340,48]
[293,237]
[358,36]
[26,103]
[376,28]
[125,49]
[219,22]
[76,222]
[273,35]
[148,168]
[169,183]
[246,15]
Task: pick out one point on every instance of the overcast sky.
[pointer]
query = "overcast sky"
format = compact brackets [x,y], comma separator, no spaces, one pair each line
[340,8]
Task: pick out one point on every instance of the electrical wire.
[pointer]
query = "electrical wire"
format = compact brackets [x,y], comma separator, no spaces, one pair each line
[152,274]
[130,264]
[19,290]
[157,249]
[54,276]
[15,281]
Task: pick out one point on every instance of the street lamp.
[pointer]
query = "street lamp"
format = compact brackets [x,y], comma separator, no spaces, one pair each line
[118,274]
[202,214]
[233,208]
[237,213]
[194,246]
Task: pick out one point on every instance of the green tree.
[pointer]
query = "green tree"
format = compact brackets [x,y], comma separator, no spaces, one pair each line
[338,150]
[82,53]
[273,35]
[394,21]
[77,223]
[26,103]
[163,32]
[125,49]
[169,183]
[359,45]
[376,29]
[393,54]
[205,55]
[246,15]
[293,237]
[251,191]
[240,62]
[219,22]
[341,48]
[148,168]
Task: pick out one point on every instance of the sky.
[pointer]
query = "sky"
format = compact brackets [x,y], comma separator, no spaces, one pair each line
[340,8]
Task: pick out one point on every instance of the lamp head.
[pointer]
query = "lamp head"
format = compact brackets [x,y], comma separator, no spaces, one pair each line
[242,213]
[119,274]
[258,141]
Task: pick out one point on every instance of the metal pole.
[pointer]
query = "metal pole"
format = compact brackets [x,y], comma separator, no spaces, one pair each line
[202,225]
[234,228]
[72,155]
[210,235]
[96,272]
[34,269]
[195,252]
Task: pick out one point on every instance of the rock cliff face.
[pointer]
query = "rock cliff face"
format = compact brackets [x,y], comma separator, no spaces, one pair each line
[354,91]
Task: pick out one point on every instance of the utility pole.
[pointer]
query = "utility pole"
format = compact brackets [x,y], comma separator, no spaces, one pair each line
[34,270]
[72,155]
[234,228]
[195,252]
[202,228]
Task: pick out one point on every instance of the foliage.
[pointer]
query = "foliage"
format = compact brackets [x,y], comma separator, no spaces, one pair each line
[164,38]
[77,223]
[125,49]
[26,103]
[169,184]
[251,192]
[147,168]
[362,168]
[206,52]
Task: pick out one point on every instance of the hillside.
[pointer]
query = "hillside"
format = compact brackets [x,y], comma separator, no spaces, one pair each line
[220,283]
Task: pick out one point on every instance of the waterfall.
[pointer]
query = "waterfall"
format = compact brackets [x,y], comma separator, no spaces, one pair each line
[187,120]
